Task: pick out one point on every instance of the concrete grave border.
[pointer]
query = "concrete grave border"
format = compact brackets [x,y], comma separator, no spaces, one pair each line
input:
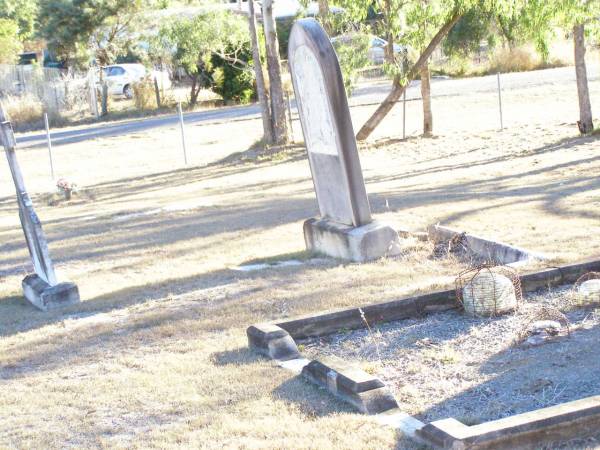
[486,248]
[369,395]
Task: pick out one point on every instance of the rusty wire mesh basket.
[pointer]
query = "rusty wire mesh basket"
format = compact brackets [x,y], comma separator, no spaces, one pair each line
[543,313]
[488,290]
[587,288]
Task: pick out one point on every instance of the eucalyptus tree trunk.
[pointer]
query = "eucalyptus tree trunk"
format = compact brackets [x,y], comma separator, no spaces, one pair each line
[324,15]
[426,96]
[398,88]
[389,48]
[263,96]
[585,122]
[278,111]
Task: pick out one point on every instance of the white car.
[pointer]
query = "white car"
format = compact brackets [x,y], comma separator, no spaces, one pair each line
[121,77]
[376,52]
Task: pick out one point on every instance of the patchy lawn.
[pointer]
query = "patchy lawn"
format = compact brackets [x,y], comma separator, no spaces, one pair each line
[155,355]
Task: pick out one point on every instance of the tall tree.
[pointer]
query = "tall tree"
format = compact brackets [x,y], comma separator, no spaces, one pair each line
[324,15]
[581,14]
[78,30]
[420,25]
[10,45]
[538,20]
[197,43]
[585,123]
[400,84]
[23,13]
[278,107]
[263,97]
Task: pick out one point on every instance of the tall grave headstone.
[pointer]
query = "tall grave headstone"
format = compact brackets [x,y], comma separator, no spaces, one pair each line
[41,288]
[345,229]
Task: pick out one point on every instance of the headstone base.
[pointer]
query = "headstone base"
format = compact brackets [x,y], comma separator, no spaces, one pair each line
[358,244]
[45,297]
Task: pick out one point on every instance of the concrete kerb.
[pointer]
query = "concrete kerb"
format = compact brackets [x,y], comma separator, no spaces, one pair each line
[370,396]
[527,430]
[486,248]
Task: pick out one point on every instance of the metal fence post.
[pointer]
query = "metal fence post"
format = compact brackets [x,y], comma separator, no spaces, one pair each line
[156,92]
[404,114]
[179,110]
[500,101]
[93,94]
[289,106]
[49,143]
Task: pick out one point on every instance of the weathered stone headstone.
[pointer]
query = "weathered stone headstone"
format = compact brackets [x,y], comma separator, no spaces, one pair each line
[345,229]
[42,288]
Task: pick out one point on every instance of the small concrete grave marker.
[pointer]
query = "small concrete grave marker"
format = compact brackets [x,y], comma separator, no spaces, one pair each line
[42,288]
[345,229]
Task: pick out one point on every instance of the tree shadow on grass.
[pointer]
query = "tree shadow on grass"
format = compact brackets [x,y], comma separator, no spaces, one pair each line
[522,379]
[242,355]
[312,400]
[235,164]
[216,290]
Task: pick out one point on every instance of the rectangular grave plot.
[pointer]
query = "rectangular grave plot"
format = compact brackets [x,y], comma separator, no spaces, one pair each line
[475,370]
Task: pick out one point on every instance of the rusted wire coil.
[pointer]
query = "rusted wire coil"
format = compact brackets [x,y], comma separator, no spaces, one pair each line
[472,282]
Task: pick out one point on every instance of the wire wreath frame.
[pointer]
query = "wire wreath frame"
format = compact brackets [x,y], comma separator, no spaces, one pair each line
[466,278]
[582,298]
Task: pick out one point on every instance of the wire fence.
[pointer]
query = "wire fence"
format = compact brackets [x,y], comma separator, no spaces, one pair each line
[56,91]
[67,96]
[527,106]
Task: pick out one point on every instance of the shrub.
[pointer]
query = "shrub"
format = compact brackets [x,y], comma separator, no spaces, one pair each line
[517,59]
[234,82]
[144,95]
[25,111]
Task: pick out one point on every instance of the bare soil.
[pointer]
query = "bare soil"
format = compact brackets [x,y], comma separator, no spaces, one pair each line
[476,370]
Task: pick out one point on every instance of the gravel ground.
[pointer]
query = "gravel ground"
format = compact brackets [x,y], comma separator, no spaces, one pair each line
[451,365]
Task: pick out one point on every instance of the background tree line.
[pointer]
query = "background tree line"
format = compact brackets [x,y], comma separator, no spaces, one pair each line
[239,57]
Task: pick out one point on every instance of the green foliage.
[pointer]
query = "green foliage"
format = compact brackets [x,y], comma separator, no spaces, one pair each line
[23,13]
[537,20]
[352,51]
[10,45]
[201,45]
[231,82]
[472,28]
[77,30]
[284,29]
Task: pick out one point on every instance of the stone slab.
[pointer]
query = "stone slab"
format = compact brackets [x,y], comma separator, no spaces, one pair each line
[528,430]
[352,385]
[349,378]
[359,244]
[32,228]
[486,248]
[46,297]
[327,125]
[403,422]
[272,341]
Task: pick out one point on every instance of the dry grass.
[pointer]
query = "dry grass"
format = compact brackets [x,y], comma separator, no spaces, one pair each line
[155,356]
[450,365]
[517,59]
[144,95]
[509,59]
[24,110]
